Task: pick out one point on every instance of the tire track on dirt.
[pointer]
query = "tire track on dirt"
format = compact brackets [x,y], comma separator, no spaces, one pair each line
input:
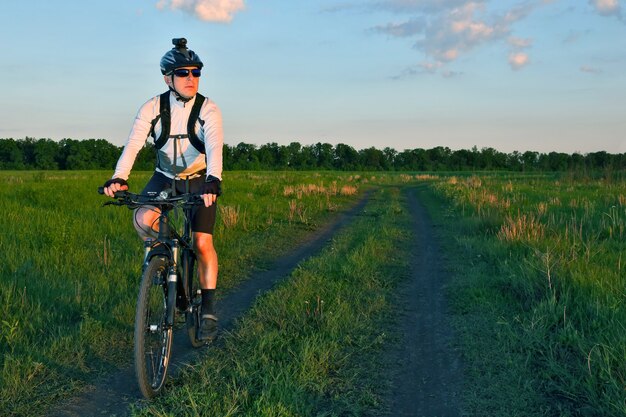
[428,374]
[113,395]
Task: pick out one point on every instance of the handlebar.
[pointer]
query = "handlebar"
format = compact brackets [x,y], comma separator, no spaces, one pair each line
[125,198]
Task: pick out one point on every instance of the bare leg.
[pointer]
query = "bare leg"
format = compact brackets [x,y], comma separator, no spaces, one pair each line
[207,260]
[146,222]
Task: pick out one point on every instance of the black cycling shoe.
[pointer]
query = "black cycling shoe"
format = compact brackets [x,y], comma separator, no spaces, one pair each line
[207,330]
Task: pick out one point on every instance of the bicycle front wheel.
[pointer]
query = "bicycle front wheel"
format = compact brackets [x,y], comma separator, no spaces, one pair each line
[153,337]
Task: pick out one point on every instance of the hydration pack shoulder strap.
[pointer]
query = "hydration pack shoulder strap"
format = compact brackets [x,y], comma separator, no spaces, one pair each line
[194,116]
[164,116]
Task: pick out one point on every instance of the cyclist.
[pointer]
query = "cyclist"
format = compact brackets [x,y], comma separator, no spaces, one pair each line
[188,151]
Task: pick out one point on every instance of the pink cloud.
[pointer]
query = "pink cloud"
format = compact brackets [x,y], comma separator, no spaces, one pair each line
[518,60]
[221,11]
[606,7]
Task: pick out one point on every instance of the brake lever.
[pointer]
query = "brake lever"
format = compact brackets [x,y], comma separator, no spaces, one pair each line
[114,203]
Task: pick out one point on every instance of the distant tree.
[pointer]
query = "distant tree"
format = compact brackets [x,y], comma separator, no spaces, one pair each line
[558,161]
[28,152]
[46,154]
[272,156]
[492,159]
[227,156]
[76,155]
[293,154]
[372,159]
[308,157]
[598,160]
[514,161]
[530,161]
[439,158]
[31,153]
[11,156]
[301,157]
[244,156]
[461,160]
[413,160]
[345,157]
[577,162]
[324,155]
[390,157]
[146,158]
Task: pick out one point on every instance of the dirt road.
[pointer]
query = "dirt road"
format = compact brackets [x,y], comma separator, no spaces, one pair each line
[428,373]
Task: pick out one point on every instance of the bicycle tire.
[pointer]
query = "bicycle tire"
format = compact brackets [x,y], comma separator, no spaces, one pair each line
[191,316]
[153,338]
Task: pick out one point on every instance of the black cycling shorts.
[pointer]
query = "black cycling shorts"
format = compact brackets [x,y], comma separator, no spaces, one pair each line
[202,218]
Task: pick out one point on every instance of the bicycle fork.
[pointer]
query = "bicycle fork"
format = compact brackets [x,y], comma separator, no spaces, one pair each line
[172,278]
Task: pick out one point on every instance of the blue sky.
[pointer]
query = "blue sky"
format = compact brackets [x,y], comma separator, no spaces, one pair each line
[541,75]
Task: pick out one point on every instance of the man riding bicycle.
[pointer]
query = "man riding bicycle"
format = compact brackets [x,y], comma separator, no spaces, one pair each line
[187,129]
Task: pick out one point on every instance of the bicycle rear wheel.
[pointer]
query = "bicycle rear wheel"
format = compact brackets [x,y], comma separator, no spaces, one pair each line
[191,318]
[153,338]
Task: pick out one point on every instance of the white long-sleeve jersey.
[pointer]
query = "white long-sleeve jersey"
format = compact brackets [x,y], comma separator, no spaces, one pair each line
[188,160]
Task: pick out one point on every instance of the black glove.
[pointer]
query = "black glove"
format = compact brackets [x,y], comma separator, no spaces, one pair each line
[119,181]
[212,185]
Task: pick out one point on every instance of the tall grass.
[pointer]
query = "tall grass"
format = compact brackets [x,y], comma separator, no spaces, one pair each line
[543,257]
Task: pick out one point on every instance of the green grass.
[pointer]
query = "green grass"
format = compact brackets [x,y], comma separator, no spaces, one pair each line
[312,346]
[539,292]
[70,268]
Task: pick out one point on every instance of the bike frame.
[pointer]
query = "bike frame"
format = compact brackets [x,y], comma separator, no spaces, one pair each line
[181,258]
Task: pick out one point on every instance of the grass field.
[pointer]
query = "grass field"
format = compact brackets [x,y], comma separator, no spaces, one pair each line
[537,292]
[70,268]
[540,292]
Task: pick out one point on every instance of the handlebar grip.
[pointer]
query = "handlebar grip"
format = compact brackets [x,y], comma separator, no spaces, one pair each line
[118,194]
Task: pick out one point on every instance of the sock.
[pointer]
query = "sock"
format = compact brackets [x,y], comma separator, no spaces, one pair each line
[208,301]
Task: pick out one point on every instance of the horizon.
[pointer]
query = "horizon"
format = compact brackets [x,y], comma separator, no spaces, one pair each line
[399,151]
[531,75]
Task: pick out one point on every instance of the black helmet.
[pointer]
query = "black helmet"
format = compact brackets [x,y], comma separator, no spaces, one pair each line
[179,56]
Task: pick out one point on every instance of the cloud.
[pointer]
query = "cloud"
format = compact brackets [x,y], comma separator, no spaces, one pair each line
[409,28]
[221,11]
[431,67]
[423,6]
[590,70]
[427,68]
[445,30]
[606,7]
[518,60]
[458,30]
[575,36]
[519,43]
[450,74]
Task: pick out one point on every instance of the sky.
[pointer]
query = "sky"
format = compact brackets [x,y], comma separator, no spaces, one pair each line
[538,75]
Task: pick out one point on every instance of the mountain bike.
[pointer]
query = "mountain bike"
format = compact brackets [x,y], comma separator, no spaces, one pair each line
[168,286]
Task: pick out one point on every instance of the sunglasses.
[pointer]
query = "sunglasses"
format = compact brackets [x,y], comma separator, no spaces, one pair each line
[182,72]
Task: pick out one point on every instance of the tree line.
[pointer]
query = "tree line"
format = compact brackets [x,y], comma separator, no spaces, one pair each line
[71,154]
